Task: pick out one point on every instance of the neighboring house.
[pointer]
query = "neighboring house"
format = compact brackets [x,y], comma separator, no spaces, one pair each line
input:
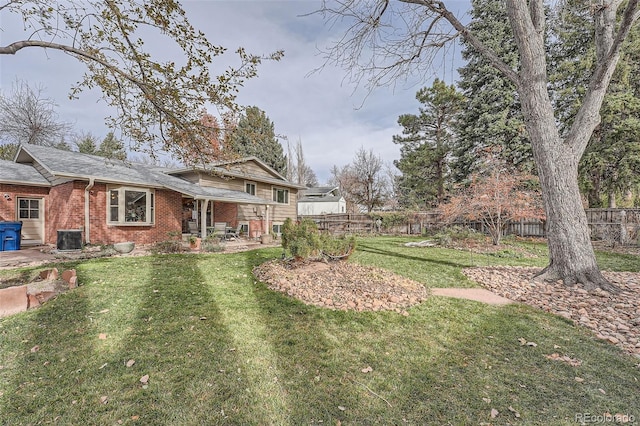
[111,201]
[321,200]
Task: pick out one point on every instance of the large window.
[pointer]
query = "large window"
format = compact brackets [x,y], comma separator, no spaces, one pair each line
[130,206]
[250,188]
[281,195]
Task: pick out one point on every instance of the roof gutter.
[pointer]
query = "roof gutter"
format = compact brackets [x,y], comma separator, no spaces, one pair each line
[87,216]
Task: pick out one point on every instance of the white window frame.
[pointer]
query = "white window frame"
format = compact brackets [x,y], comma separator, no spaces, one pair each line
[274,190]
[149,209]
[244,227]
[273,228]
[255,187]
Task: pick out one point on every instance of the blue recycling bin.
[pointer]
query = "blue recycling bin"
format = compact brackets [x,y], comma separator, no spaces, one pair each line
[10,235]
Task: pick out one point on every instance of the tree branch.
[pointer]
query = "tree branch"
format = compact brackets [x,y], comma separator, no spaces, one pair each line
[581,128]
[439,8]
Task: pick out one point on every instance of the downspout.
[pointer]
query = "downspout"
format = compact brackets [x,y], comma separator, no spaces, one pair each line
[87,216]
[266,214]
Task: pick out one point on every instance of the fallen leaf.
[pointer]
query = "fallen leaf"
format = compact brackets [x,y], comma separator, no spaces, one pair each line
[532,344]
[522,341]
[367,369]
[103,366]
[487,400]
[203,318]
[102,336]
[130,362]
[579,379]
[104,311]
[34,349]
[135,417]
[144,379]
[571,361]
[494,413]
[602,391]
[104,399]
[341,408]
[515,413]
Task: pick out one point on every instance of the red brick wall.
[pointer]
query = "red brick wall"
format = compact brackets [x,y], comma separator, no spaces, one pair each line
[64,209]
[168,218]
[8,208]
[225,212]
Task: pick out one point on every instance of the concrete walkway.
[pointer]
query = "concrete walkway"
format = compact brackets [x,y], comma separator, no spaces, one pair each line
[24,257]
[477,294]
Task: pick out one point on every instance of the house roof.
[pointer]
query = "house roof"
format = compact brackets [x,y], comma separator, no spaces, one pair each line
[57,163]
[320,192]
[20,174]
[328,199]
[225,168]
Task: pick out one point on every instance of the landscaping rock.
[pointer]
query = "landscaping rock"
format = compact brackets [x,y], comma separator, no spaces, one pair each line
[612,317]
[13,300]
[341,285]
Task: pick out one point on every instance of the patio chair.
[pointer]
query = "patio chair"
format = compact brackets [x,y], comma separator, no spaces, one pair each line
[233,233]
[193,227]
[219,230]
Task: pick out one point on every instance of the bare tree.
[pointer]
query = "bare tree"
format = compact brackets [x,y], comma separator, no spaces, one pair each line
[157,103]
[363,183]
[387,40]
[298,170]
[28,117]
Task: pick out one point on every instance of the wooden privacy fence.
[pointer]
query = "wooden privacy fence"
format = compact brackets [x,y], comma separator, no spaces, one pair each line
[614,226]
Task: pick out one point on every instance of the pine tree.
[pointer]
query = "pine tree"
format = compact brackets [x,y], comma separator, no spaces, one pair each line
[87,144]
[426,145]
[255,135]
[493,114]
[610,167]
[110,147]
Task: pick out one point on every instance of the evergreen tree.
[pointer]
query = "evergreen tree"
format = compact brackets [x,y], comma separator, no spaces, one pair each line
[8,151]
[426,144]
[255,135]
[492,116]
[610,167]
[110,147]
[87,144]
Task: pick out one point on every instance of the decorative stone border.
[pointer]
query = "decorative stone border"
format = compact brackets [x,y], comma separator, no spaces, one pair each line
[28,296]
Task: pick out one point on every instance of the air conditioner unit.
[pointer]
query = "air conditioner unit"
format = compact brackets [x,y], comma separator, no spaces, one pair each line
[69,239]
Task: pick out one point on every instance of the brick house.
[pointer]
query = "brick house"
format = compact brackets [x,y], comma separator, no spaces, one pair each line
[111,201]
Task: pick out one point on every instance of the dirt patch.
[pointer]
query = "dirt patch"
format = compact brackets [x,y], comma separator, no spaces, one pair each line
[342,285]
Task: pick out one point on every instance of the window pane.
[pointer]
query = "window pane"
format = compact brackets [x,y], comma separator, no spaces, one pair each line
[152,213]
[24,214]
[113,214]
[24,204]
[135,206]
[114,198]
[33,204]
[35,214]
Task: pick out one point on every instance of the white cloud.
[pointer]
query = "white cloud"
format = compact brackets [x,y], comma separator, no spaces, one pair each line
[320,109]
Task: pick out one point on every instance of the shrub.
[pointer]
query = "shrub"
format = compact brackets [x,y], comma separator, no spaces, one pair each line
[302,239]
[169,246]
[337,247]
[211,245]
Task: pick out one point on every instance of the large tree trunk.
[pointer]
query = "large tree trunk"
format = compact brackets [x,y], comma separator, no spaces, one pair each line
[571,255]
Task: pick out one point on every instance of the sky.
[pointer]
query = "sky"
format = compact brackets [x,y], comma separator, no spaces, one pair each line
[330,116]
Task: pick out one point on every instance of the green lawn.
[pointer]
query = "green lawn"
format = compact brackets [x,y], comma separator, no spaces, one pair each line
[220,348]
